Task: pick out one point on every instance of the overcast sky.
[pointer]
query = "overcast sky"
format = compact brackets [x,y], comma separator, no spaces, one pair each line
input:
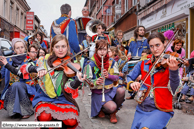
[49,10]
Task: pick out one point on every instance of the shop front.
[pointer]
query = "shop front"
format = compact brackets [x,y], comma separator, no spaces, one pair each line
[5,29]
[176,14]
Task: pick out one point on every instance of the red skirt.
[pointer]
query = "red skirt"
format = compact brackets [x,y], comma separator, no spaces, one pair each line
[57,111]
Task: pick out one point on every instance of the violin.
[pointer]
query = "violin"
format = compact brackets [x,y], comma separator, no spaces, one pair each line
[69,68]
[163,63]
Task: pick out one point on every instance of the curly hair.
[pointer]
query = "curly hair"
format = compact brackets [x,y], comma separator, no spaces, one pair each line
[178,41]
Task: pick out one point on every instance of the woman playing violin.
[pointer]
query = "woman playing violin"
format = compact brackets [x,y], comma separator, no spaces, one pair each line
[55,98]
[113,96]
[156,109]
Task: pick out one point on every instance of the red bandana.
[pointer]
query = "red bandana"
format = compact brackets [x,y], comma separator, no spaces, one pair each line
[99,61]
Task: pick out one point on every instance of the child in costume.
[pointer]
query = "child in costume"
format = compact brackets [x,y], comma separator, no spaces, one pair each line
[113,96]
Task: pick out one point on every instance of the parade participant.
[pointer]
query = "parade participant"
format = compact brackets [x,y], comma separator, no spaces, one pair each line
[42,42]
[162,83]
[118,39]
[113,96]
[188,81]
[139,43]
[17,90]
[29,40]
[41,52]
[178,48]
[115,54]
[82,22]
[67,26]
[100,35]
[88,53]
[56,90]
[188,85]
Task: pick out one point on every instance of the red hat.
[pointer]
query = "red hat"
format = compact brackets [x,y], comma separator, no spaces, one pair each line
[192,54]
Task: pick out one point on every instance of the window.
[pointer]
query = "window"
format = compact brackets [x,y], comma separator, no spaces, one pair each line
[17,16]
[10,11]
[134,2]
[5,45]
[24,22]
[126,5]
[21,20]
[4,9]
[147,1]
[120,2]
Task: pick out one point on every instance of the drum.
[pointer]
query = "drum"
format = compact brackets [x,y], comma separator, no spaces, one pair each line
[81,22]
[132,63]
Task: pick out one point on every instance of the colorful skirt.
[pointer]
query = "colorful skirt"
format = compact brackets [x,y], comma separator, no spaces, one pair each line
[58,111]
[97,101]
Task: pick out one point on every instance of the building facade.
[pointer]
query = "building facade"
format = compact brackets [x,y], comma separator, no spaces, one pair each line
[163,15]
[12,18]
[115,14]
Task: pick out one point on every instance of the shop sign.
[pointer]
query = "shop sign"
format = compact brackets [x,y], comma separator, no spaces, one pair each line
[118,9]
[166,27]
[22,35]
[107,10]
[29,20]
[173,9]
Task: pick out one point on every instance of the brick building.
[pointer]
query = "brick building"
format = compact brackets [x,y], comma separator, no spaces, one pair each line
[123,14]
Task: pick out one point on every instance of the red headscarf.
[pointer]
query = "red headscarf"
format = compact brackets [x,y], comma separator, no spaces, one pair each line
[99,61]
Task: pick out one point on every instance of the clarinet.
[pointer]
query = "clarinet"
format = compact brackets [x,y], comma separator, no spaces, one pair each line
[102,68]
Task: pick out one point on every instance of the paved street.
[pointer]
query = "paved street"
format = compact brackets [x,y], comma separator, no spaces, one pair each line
[125,116]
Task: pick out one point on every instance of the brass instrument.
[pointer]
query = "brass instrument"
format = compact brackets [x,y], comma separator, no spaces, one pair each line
[78,57]
[91,27]
[102,75]
[124,43]
[123,64]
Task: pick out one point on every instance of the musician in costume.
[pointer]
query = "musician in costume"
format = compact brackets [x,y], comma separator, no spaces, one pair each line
[18,92]
[54,100]
[101,27]
[67,26]
[82,22]
[88,53]
[41,41]
[158,89]
[118,39]
[115,54]
[138,44]
[113,96]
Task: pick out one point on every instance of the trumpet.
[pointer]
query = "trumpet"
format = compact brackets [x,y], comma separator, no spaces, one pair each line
[102,68]
[124,43]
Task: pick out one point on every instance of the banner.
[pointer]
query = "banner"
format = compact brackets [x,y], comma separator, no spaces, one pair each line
[29,20]
[107,10]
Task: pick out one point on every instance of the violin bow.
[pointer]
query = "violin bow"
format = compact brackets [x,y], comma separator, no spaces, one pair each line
[153,66]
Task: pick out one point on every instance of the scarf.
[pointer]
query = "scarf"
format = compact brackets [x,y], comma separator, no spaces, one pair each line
[99,61]
[17,60]
[116,58]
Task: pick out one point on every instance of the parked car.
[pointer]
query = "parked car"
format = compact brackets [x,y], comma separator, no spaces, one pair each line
[5,50]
